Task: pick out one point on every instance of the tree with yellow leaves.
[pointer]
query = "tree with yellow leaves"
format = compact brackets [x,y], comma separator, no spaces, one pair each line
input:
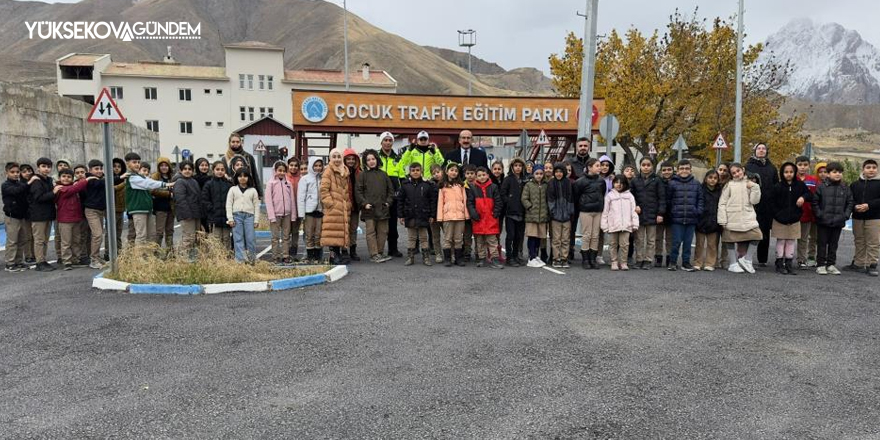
[683,82]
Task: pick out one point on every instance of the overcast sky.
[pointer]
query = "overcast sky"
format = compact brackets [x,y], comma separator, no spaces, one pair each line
[523,33]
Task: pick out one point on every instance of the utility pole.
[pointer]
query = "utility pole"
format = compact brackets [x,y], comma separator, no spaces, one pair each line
[345,51]
[468,39]
[737,139]
[588,70]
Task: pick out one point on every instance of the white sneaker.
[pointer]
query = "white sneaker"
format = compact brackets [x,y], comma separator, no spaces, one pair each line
[832,270]
[811,262]
[600,261]
[709,268]
[535,262]
[746,265]
[735,268]
[821,270]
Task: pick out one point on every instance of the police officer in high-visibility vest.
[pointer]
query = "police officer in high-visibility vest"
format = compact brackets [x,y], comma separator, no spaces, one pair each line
[390,164]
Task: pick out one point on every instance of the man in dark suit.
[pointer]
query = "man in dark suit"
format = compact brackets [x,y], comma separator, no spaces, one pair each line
[465,154]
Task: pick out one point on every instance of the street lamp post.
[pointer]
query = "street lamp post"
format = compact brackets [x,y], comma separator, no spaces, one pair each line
[345,52]
[468,39]
[588,70]
[737,140]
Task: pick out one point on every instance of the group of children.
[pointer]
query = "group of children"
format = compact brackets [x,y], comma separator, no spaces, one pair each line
[455,215]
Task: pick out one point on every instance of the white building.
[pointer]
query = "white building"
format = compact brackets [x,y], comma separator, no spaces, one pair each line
[196,107]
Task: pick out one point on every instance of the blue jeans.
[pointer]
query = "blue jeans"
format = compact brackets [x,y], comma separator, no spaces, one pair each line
[682,235]
[243,236]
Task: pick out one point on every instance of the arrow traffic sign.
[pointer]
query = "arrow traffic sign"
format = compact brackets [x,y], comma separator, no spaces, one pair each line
[720,143]
[680,144]
[105,109]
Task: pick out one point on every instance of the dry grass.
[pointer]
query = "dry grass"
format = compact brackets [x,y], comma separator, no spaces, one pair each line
[214,265]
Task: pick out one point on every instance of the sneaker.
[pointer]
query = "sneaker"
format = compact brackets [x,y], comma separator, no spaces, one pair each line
[697,268]
[536,262]
[385,257]
[600,261]
[872,270]
[624,266]
[802,265]
[556,264]
[736,268]
[746,265]
[687,267]
[647,265]
[565,264]
[44,267]
[495,264]
[13,268]
[376,259]
[672,268]
[811,262]
[96,265]
[821,270]
[614,265]
[438,258]
[709,268]
[832,270]
[68,266]
[481,262]
[83,262]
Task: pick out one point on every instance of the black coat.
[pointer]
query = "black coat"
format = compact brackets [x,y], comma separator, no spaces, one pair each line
[560,199]
[650,194]
[417,203]
[784,201]
[187,199]
[579,165]
[15,199]
[589,193]
[832,204]
[708,223]
[214,200]
[41,200]
[476,157]
[866,191]
[769,177]
[95,195]
[251,163]
[511,196]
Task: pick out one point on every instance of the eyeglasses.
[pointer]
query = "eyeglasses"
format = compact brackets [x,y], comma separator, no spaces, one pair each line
[465,137]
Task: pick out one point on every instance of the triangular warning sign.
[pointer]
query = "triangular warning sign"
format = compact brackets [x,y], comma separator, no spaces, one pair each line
[720,143]
[105,109]
[542,139]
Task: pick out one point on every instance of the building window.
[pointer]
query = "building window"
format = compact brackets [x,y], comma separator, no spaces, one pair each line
[271,156]
[184,94]
[207,91]
[241,110]
[186,127]
[219,92]
[116,92]
[210,155]
[250,82]
[262,79]
[241,81]
[208,124]
[271,112]
[269,80]
[262,112]
[251,113]
[153,125]
[150,93]
[219,124]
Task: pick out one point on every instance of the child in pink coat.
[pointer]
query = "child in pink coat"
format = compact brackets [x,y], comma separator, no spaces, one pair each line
[619,220]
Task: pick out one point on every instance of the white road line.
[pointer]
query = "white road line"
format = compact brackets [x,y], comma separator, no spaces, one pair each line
[558,272]
[264,251]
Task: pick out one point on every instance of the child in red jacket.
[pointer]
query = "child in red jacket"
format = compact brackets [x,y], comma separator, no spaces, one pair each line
[806,246]
[485,208]
[69,211]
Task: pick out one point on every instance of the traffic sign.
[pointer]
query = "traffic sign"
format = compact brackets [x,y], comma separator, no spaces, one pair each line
[720,143]
[652,150]
[609,126]
[523,140]
[186,153]
[680,146]
[105,109]
[259,147]
[543,140]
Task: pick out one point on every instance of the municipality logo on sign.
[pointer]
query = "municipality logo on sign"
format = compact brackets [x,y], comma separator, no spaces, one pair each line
[124,31]
[314,109]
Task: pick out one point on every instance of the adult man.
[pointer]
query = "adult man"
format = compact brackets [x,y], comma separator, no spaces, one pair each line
[581,157]
[235,149]
[421,152]
[465,155]
[390,164]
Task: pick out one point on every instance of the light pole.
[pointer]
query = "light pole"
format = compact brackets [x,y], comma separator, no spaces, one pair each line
[345,52]
[737,140]
[588,70]
[468,39]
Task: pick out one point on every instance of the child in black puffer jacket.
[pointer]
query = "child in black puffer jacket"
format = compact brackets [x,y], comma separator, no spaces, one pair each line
[708,230]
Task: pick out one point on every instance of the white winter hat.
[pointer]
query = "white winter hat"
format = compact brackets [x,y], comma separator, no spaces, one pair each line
[422,134]
[386,134]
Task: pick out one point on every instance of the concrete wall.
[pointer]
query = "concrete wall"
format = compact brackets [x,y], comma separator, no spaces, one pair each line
[35,123]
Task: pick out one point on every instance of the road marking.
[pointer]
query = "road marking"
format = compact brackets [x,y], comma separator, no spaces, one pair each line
[558,272]
[264,251]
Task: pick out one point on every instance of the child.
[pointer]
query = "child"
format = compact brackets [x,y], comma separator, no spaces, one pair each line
[470,176]
[685,206]
[806,245]
[452,211]
[308,207]
[736,214]
[560,202]
[242,213]
[417,209]
[534,200]
[41,211]
[138,201]
[708,229]
[664,228]
[435,232]
[15,207]
[188,208]
[650,194]
[374,194]
[485,208]
[27,171]
[279,208]
[119,177]
[335,198]
[82,234]
[497,172]
[832,207]
[514,212]
[619,219]
[213,199]
[163,205]
[353,163]
[293,176]
[95,202]
[70,212]
[866,218]
[789,195]
[203,175]
[589,193]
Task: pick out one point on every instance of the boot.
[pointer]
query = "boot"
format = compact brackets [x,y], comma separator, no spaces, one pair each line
[544,257]
[447,257]
[512,261]
[780,269]
[459,257]
[658,261]
[495,264]
[501,255]
[594,263]
[294,254]
[353,253]
[335,255]
[410,257]
[585,259]
[319,255]
[789,266]
[872,270]
[426,258]
[346,259]
[392,250]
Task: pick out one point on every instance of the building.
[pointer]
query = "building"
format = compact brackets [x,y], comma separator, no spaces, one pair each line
[194,108]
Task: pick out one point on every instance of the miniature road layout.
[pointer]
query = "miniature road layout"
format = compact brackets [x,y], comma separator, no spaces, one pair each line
[413,352]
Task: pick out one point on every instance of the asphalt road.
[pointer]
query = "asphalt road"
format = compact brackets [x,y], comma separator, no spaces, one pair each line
[397,352]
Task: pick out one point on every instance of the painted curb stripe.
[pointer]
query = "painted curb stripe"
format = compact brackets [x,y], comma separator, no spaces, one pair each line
[336,273]
[258,286]
[172,289]
[293,283]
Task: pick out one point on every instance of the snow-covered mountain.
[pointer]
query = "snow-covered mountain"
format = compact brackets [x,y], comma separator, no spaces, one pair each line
[829,63]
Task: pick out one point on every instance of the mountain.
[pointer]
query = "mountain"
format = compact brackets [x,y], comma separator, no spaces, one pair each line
[309,30]
[831,64]
[524,79]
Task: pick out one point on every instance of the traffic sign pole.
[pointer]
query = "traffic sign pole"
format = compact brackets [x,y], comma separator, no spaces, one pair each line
[110,193]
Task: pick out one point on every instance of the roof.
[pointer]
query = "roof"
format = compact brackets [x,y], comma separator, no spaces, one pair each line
[259,45]
[320,76]
[267,126]
[80,59]
[165,70]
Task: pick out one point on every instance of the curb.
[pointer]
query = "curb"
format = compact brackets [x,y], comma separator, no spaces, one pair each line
[334,274]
